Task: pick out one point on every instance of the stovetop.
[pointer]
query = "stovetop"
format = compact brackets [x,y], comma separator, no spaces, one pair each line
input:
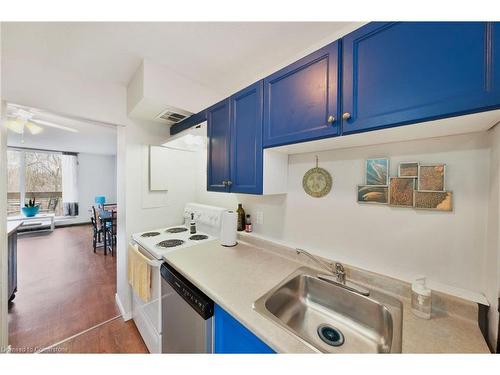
[159,242]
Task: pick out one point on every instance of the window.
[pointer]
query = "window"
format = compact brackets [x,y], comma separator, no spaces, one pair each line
[34,174]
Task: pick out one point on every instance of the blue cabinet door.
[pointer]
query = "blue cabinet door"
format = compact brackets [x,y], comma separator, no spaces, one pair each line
[404,72]
[218,131]
[301,100]
[246,140]
[233,338]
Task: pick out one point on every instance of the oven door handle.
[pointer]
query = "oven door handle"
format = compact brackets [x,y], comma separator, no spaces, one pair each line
[152,262]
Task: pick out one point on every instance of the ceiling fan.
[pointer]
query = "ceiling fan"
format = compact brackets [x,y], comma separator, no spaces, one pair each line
[20,120]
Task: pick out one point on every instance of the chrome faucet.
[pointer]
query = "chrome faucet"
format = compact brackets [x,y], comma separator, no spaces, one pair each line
[338,271]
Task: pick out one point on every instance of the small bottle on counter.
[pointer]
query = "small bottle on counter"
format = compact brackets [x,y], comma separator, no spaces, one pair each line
[241,218]
[192,225]
[421,298]
[248,224]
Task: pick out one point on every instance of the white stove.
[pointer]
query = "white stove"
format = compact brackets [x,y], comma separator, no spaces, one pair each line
[155,244]
[159,242]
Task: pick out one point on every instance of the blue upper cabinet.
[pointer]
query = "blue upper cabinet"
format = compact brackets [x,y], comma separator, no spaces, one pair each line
[218,131]
[246,140]
[234,128]
[301,100]
[231,337]
[405,72]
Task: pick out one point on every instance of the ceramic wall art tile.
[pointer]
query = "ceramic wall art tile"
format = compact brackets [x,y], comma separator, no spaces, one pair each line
[431,177]
[377,171]
[373,194]
[401,191]
[434,200]
[408,169]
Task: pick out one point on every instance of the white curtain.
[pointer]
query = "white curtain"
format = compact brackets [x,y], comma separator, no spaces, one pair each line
[70,184]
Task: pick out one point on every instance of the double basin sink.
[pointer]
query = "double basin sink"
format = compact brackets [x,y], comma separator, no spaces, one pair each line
[332,319]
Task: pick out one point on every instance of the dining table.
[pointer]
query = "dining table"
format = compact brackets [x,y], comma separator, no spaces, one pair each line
[107,214]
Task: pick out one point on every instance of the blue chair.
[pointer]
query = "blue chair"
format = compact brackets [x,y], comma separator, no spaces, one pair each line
[100,200]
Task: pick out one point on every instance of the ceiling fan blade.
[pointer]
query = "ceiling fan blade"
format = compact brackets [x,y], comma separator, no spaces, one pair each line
[52,125]
[34,129]
[15,125]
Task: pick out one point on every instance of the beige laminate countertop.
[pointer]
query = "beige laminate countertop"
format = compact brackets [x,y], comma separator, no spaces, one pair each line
[12,226]
[234,277]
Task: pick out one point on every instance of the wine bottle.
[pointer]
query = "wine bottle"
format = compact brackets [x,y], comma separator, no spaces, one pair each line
[241,218]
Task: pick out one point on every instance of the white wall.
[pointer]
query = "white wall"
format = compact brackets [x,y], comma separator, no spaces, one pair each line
[3,219]
[492,259]
[458,251]
[449,248]
[147,210]
[96,176]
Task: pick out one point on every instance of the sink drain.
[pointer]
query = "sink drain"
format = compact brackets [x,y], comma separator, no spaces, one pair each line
[330,335]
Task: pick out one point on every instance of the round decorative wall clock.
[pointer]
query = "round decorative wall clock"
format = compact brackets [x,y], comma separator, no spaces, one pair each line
[317,182]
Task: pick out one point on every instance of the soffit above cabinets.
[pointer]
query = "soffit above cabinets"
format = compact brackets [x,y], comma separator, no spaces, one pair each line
[473,123]
[155,90]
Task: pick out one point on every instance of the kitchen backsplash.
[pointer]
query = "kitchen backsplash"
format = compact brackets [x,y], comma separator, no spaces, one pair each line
[449,248]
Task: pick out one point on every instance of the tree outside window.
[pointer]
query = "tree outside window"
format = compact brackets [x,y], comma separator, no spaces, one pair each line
[42,180]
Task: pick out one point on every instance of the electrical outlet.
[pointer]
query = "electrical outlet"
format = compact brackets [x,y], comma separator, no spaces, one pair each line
[259,217]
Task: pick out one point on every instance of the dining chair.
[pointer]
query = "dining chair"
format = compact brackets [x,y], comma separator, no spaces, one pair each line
[96,233]
[113,226]
[97,223]
[101,232]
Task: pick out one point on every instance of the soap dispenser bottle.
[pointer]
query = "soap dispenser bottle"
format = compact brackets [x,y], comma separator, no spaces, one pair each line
[192,224]
[421,298]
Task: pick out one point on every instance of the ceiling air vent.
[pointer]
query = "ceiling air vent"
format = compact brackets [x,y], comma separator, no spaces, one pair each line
[173,116]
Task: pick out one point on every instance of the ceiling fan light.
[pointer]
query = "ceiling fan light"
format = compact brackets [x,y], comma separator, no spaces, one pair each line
[34,129]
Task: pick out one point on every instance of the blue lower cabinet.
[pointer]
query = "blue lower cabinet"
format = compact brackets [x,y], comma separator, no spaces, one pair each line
[231,337]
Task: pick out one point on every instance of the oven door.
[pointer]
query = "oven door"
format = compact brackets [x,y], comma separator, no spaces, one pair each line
[147,315]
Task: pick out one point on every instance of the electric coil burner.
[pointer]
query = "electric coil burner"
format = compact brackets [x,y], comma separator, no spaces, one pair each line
[150,234]
[198,237]
[170,243]
[176,230]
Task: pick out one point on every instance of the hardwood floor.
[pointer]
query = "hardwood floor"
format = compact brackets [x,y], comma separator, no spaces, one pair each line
[63,289]
[115,336]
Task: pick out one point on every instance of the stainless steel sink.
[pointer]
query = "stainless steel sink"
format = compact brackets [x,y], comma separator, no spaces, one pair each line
[332,319]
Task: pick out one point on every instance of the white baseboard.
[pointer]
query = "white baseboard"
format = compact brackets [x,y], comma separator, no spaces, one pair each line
[125,315]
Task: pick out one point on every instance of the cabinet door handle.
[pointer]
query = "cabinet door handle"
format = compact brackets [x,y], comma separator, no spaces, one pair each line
[346,116]
[331,119]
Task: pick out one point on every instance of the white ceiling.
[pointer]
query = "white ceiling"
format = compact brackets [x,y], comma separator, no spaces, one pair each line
[89,137]
[221,56]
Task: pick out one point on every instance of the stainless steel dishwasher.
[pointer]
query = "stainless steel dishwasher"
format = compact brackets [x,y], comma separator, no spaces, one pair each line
[186,315]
